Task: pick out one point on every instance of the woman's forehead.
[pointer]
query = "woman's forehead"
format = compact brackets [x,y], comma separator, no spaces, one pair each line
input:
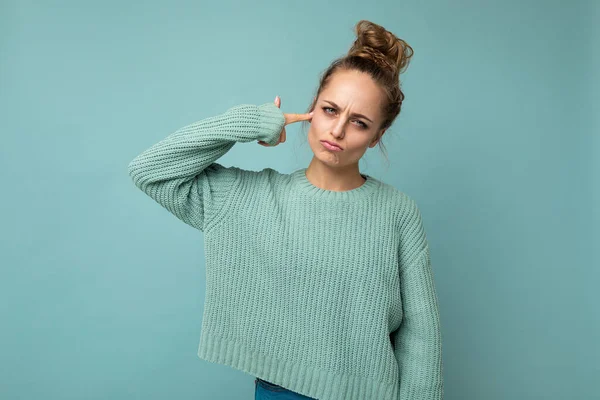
[358,92]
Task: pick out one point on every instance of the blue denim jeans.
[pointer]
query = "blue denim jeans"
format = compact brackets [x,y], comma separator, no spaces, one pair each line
[265,390]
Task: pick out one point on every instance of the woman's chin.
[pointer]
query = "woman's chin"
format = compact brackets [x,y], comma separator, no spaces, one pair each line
[328,158]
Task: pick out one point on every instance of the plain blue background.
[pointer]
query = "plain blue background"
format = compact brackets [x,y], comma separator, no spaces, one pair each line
[102,290]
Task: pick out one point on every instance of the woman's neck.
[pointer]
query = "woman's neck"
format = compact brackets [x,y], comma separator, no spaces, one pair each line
[336,179]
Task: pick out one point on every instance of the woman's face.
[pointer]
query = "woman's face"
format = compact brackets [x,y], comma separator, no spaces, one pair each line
[335,120]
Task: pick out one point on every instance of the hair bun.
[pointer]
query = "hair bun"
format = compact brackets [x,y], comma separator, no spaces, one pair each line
[384,48]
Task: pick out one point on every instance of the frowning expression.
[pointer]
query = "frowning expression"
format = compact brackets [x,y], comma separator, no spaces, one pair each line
[347,114]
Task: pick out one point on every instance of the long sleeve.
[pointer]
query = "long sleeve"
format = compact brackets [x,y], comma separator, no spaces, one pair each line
[418,341]
[180,172]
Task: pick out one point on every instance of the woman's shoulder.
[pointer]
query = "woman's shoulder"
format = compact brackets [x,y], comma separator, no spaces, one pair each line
[404,207]
[407,218]
[398,197]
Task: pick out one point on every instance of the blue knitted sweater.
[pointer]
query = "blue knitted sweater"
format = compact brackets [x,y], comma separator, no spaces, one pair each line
[329,294]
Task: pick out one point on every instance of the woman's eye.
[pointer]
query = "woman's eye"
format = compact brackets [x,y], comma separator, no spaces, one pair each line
[361,124]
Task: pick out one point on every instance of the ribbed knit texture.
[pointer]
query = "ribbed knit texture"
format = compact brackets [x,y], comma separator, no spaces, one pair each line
[329,294]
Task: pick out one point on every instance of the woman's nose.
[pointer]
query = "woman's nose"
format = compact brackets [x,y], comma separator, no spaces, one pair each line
[338,128]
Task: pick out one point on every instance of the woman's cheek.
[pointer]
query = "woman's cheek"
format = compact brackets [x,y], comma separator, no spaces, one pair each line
[317,123]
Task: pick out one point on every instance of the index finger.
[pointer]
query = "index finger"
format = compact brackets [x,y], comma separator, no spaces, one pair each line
[291,118]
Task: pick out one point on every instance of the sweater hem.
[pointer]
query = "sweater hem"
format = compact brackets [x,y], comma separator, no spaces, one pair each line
[300,378]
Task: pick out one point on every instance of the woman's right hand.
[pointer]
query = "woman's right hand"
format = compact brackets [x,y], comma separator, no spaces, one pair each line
[289,118]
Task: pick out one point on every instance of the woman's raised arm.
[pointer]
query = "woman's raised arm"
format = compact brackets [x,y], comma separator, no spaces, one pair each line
[180,172]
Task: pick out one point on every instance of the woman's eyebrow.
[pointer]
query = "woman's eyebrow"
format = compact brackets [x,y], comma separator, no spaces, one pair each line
[355,114]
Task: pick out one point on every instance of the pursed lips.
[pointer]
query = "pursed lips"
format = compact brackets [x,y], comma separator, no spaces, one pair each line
[333,144]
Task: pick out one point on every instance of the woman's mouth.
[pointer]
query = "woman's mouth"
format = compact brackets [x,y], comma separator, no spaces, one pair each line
[330,146]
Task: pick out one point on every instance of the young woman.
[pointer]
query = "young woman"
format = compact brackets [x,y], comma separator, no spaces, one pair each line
[318,282]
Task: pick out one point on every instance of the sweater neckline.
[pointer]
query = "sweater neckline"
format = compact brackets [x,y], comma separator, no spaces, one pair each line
[305,186]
